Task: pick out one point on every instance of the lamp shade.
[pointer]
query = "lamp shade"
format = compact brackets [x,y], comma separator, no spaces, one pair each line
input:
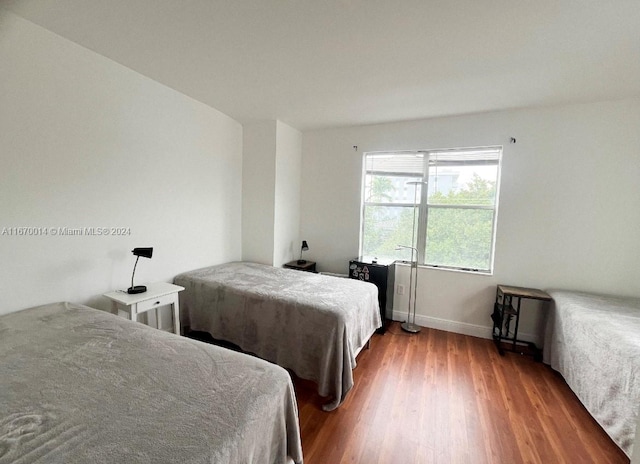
[305,246]
[144,252]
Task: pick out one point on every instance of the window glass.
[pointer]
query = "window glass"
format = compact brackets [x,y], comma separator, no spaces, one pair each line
[459,238]
[463,185]
[390,189]
[385,228]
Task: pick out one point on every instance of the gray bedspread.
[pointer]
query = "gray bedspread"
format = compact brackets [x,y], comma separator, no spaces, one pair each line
[78,385]
[313,324]
[594,342]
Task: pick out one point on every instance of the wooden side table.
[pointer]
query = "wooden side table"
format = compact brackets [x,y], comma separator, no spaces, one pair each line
[309,266]
[506,311]
[157,295]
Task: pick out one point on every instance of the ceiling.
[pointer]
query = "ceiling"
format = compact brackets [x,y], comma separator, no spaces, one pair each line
[325,63]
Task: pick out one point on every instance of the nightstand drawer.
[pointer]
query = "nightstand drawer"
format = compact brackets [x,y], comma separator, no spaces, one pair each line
[156,302]
[157,294]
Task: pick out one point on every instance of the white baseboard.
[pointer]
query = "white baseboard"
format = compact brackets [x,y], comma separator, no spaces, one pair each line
[459,327]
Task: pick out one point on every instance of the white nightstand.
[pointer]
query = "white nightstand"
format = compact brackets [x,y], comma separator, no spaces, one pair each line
[157,295]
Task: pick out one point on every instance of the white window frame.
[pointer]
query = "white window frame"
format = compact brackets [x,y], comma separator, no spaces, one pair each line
[424,206]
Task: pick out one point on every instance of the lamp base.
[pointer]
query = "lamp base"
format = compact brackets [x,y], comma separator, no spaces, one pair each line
[410,327]
[137,289]
[302,261]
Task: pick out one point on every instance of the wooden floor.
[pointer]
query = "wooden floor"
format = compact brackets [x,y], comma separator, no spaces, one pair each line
[439,397]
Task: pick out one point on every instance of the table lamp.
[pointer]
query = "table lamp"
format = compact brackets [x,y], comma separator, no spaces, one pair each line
[145,253]
[304,247]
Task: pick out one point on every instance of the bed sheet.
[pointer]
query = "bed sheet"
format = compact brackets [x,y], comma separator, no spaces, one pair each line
[594,342]
[310,323]
[78,385]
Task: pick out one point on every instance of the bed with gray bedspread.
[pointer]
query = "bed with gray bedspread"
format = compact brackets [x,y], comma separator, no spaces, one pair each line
[78,385]
[313,324]
[594,342]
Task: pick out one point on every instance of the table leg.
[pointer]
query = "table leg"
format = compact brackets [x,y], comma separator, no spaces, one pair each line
[176,316]
[515,332]
[507,304]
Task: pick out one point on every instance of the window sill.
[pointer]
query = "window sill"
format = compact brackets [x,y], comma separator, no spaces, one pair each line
[449,269]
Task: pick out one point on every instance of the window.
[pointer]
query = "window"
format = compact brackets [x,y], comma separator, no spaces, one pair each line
[444,203]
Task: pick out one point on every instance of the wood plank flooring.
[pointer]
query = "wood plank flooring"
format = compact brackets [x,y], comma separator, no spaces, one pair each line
[438,397]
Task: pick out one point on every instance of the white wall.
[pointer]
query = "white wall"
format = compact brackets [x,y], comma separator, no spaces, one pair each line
[258,191]
[569,210]
[286,243]
[86,142]
[271,192]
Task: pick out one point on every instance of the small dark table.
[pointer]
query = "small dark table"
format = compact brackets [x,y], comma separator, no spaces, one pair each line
[309,266]
[507,311]
[381,273]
